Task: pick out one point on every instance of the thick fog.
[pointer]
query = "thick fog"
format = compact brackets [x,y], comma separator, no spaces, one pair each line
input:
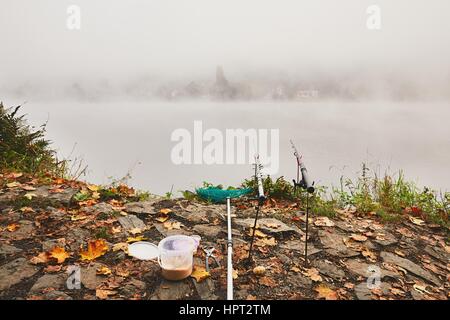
[122,44]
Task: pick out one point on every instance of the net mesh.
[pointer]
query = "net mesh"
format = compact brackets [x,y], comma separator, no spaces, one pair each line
[219,195]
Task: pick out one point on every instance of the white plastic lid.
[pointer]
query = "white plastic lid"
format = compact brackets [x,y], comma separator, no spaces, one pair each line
[143,250]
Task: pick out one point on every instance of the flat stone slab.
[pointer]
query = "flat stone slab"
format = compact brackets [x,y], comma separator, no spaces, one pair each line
[89,277]
[269,225]
[143,207]
[131,222]
[298,245]
[24,231]
[15,272]
[438,254]
[363,292]
[172,290]
[362,269]
[208,230]
[55,281]
[167,233]
[62,198]
[329,269]
[334,245]
[385,239]
[6,249]
[410,267]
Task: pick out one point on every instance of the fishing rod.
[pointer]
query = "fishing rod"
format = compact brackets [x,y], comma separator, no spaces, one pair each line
[230,254]
[261,198]
[304,183]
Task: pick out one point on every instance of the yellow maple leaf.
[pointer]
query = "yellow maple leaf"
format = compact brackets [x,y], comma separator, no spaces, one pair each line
[95,249]
[326,293]
[93,187]
[258,233]
[165,211]
[162,218]
[12,227]
[104,271]
[104,294]
[120,246]
[59,254]
[135,239]
[199,274]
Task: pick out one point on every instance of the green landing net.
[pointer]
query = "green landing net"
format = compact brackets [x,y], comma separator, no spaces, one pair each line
[217,195]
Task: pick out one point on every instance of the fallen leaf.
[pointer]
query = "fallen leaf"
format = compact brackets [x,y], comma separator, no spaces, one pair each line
[95,249]
[14,184]
[135,231]
[42,257]
[51,269]
[93,187]
[416,221]
[369,254]
[104,271]
[358,237]
[12,227]
[258,233]
[122,272]
[313,274]
[30,196]
[259,270]
[165,211]
[235,274]
[162,218]
[266,242]
[104,294]
[26,209]
[77,218]
[296,269]
[326,293]
[349,285]
[199,274]
[268,282]
[169,225]
[59,254]
[120,246]
[28,188]
[115,230]
[135,239]
[323,222]
[400,253]
[272,225]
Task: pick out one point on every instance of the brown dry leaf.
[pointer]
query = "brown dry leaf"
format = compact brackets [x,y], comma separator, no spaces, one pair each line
[14,184]
[323,222]
[42,257]
[349,285]
[199,274]
[358,237]
[12,227]
[104,294]
[135,231]
[104,271]
[115,230]
[268,282]
[369,254]
[120,246]
[59,254]
[235,274]
[405,232]
[400,253]
[326,293]
[136,239]
[296,269]
[51,269]
[28,188]
[122,272]
[169,225]
[95,249]
[250,297]
[266,242]
[313,274]
[165,211]
[26,209]
[272,225]
[259,270]
[258,233]
[420,288]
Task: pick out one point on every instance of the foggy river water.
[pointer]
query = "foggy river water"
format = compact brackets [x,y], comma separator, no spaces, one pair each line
[114,138]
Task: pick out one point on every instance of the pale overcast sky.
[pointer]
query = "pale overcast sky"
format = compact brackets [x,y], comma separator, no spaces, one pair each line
[172,37]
